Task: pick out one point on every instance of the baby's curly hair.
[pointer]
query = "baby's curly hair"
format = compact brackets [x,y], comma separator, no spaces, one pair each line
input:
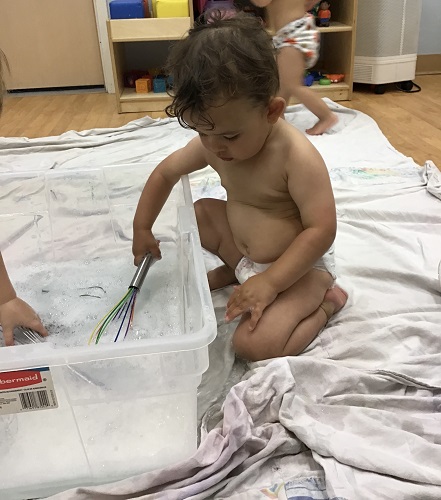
[221,59]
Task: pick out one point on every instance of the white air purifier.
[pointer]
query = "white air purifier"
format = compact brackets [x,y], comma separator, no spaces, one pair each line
[387,42]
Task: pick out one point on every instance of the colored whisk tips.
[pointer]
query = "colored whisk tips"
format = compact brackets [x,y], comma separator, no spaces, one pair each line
[120,318]
[120,315]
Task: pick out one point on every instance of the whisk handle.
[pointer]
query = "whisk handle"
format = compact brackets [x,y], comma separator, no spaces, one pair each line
[141,272]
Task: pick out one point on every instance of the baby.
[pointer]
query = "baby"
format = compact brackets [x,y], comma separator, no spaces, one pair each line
[297,41]
[276,229]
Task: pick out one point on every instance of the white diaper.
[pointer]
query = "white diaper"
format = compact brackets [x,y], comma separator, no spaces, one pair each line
[327,263]
[247,268]
[303,35]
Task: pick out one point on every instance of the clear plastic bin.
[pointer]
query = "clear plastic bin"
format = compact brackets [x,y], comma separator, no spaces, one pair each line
[122,408]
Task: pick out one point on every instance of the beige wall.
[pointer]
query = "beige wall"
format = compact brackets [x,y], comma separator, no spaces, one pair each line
[50,43]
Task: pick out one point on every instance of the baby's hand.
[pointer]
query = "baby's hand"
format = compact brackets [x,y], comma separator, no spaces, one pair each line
[16,312]
[253,296]
[143,243]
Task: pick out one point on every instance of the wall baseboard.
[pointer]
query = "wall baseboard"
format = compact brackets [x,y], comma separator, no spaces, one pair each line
[429,64]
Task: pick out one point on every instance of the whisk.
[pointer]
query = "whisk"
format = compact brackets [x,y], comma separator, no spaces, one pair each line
[124,310]
[26,336]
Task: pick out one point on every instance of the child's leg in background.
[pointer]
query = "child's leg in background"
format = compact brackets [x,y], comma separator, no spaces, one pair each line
[291,70]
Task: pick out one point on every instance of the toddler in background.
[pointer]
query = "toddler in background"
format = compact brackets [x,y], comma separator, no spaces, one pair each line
[297,41]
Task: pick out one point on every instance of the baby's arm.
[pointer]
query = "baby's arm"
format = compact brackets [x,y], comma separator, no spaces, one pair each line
[14,311]
[310,188]
[156,191]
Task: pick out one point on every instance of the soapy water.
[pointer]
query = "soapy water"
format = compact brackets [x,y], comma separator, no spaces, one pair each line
[72,296]
[129,438]
[110,427]
[142,428]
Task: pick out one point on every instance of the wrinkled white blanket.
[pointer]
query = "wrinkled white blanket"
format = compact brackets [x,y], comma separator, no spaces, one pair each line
[358,434]
[357,416]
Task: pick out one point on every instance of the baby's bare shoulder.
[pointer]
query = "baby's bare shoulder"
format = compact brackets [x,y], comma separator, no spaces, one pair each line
[296,150]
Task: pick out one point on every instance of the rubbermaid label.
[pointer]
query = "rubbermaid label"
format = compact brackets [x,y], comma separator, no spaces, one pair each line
[27,390]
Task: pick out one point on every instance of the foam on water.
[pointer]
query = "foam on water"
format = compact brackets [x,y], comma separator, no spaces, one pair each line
[67,248]
[72,296]
[146,416]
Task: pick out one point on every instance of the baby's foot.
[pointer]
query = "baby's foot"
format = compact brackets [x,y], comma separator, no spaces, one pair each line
[323,125]
[220,277]
[334,300]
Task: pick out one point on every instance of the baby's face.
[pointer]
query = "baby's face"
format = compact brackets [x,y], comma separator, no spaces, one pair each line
[239,133]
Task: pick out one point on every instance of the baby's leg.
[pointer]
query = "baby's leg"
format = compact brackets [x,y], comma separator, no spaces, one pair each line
[291,70]
[216,237]
[292,321]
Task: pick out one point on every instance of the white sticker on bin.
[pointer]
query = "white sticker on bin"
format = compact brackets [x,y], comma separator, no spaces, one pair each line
[27,390]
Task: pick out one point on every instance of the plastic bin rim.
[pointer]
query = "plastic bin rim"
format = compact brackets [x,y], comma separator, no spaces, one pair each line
[45,354]
[23,357]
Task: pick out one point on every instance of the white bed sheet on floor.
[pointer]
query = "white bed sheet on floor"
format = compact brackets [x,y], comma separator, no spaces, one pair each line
[388,249]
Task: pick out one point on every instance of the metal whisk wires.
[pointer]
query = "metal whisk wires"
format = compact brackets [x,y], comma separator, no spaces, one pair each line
[124,310]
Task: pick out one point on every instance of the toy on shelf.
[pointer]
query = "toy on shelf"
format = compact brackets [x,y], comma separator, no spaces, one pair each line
[128,9]
[313,8]
[322,78]
[170,8]
[131,76]
[311,77]
[143,85]
[160,84]
[317,75]
[308,79]
[198,7]
[324,14]
[154,72]
[335,77]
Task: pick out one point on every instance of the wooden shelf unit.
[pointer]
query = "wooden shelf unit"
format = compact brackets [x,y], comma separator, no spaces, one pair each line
[123,31]
[336,27]
[337,46]
[148,30]
[336,54]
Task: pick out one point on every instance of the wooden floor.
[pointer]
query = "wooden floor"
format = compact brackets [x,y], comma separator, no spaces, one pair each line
[411,122]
